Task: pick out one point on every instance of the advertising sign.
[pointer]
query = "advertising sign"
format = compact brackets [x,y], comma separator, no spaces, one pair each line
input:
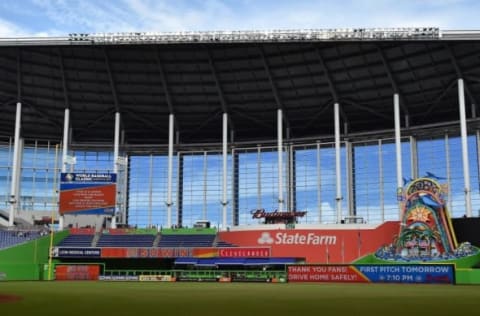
[87,193]
[244,252]
[77,272]
[325,273]
[156,278]
[406,273]
[399,273]
[112,252]
[118,278]
[64,252]
[232,252]
[340,244]
[138,252]
[196,279]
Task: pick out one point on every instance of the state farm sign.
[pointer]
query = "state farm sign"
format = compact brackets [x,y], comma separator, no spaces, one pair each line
[285,238]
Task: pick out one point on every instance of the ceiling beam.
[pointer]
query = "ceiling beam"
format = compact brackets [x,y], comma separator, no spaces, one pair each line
[143,120]
[64,81]
[414,75]
[439,98]
[276,95]
[164,81]
[327,75]
[221,96]
[210,117]
[459,72]
[218,86]
[366,109]
[7,103]
[324,107]
[97,120]
[111,81]
[43,114]
[473,78]
[371,77]
[331,85]
[252,118]
[391,77]
[166,90]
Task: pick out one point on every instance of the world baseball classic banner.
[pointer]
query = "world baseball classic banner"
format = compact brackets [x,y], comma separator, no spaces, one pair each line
[373,273]
[87,193]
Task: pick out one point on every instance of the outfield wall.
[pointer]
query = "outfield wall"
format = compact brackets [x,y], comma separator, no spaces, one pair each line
[468,276]
[330,244]
[28,261]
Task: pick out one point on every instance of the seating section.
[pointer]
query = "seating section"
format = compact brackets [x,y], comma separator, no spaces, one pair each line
[224,244]
[12,238]
[140,240]
[77,241]
[143,240]
[185,240]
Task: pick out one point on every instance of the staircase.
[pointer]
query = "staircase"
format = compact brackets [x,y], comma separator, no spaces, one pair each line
[96,238]
[156,241]
[215,241]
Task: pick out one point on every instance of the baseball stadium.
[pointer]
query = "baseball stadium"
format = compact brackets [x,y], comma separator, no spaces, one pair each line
[268,172]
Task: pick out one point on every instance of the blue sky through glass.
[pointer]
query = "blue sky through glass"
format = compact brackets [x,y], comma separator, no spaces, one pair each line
[373,176]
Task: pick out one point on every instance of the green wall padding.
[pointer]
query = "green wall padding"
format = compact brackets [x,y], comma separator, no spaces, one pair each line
[467,276]
[27,261]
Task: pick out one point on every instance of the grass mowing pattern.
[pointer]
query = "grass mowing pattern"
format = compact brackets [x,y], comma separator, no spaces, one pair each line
[231,299]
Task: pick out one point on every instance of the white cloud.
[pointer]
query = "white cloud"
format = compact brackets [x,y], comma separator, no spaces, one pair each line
[8,29]
[87,16]
[60,17]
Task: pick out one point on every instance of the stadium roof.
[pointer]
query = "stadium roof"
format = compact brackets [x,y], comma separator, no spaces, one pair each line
[199,75]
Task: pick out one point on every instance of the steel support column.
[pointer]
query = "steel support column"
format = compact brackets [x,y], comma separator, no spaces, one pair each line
[224,170]
[116,146]
[463,128]
[66,126]
[413,158]
[351,187]
[381,182]
[319,183]
[280,158]
[398,147]
[338,196]
[170,171]
[15,167]
[235,188]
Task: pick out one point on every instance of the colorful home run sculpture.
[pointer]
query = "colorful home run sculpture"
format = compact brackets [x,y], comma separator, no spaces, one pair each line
[426,231]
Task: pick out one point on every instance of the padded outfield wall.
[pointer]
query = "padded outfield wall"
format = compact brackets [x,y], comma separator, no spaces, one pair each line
[28,261]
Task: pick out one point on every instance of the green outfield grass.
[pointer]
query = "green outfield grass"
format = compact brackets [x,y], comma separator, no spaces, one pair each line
[229,299]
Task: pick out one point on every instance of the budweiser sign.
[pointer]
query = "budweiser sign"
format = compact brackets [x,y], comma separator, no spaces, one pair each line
[261,213]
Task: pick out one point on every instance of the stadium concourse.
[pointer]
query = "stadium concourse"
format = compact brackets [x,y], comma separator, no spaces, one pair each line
[241,149]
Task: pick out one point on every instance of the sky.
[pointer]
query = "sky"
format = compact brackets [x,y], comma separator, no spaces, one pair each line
[28,18]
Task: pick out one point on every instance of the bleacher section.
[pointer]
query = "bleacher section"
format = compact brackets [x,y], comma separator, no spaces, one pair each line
[186,240]
[224,244]
[75,240]
[11,238]
[145,239]
[137,240]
